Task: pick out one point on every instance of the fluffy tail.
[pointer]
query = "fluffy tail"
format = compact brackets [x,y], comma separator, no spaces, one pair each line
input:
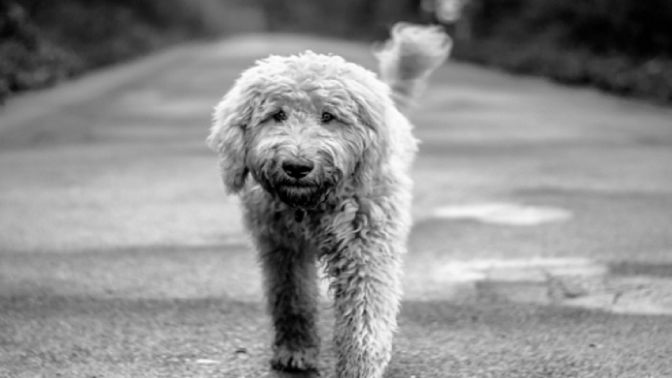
[408,58]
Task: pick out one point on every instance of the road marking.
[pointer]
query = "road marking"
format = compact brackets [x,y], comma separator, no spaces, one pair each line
[504,213]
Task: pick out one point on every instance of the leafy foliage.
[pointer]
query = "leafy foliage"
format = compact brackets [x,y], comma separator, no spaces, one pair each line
[621,46]
[44,41]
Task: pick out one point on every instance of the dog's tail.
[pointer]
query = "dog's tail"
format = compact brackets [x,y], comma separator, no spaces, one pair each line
[408,58]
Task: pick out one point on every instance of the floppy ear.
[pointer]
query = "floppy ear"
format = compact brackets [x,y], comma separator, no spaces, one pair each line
[371,111]
[388,139]
[227,135]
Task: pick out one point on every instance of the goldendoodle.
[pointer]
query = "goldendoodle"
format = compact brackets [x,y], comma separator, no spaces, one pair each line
[319,151]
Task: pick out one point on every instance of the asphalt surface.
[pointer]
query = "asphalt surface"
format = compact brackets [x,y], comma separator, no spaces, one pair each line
[542,244]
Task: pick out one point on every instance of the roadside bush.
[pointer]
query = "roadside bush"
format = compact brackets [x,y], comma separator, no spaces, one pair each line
[623,46]
[44,41]
[28,61]
[103,31]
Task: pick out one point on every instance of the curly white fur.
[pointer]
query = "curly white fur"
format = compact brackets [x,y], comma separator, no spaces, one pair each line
[319,152]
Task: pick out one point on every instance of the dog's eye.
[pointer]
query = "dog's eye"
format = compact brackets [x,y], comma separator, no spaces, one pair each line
[279,116]
[327,117]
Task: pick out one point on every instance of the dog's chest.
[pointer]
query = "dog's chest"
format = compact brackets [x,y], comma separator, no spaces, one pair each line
[323,230]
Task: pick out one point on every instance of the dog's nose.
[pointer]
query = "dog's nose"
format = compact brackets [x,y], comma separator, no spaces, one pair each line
[297,169]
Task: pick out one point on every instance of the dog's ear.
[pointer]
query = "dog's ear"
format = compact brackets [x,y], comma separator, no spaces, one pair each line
[227,135]
[371,112]
[388,140]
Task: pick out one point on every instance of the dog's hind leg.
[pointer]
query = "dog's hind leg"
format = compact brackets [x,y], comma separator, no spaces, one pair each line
[290,274]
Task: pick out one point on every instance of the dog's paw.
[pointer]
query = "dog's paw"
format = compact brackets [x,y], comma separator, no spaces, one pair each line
[285,359]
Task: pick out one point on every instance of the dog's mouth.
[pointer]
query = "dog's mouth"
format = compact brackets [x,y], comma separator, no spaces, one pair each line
[306,192]
[298,194]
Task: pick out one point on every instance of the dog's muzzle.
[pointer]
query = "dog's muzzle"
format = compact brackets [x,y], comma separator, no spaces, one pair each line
[299,183]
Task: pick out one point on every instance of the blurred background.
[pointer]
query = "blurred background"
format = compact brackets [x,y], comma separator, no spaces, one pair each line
[622,46]
[541,244]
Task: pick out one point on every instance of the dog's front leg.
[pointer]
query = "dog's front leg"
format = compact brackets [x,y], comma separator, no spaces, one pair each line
[367,291]
[291,289]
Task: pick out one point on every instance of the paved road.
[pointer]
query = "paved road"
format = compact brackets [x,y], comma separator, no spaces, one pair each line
[542,245]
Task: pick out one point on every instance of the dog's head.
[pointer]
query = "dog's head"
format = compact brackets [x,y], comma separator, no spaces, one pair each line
[302,126]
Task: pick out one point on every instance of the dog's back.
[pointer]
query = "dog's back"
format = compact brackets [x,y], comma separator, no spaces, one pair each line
[409,57]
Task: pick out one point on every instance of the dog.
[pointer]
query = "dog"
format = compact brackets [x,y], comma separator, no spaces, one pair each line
[319,151]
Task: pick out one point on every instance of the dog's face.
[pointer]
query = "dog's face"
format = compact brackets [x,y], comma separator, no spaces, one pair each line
[302,126]
[306,142]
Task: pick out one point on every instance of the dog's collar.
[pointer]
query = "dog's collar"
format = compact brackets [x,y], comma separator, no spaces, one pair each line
[299,214]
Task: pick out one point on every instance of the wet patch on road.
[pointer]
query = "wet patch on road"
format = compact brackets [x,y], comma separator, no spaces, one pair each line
[572,282]
[504,213]
[535,254]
